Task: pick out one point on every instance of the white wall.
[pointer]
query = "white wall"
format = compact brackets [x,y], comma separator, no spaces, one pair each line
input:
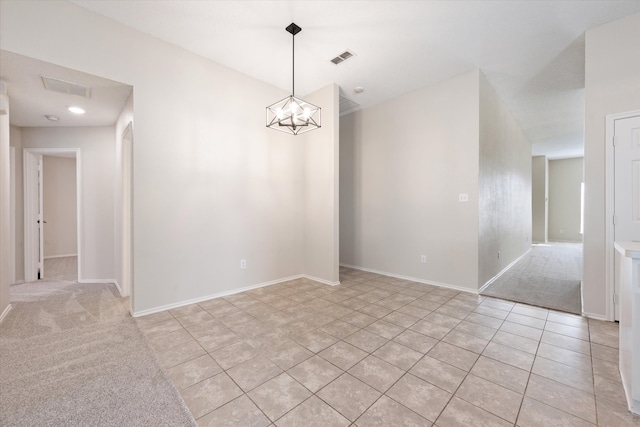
[96,146]
[211,184]
[402,165]
[59,206]
[565,181]
[321,180]
[612,67]
[125,117]
[16,142]
[5,212]
[504,187]
[539,198]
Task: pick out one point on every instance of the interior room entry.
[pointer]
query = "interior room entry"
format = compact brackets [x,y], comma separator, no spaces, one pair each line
[626,147]
[61,202]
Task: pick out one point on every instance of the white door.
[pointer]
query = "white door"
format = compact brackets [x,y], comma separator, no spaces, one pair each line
[31,217]
[626,184]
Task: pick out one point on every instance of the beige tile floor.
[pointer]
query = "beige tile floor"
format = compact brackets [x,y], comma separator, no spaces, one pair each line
[380,351]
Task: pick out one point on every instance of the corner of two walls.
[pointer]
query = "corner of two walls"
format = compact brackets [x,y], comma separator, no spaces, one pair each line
[16,142]
[504,187]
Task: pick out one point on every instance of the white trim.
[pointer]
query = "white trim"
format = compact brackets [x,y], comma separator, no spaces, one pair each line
[504,270]
[213,296]
[60,256]
[609,209]
[5,312]
[323,281]
[413,279]
[17,282]
[595,316]
[115,282]
[97,281]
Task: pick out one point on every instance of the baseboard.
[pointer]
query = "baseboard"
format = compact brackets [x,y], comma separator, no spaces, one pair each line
[115,282]
[5,312]
[595,316]
[18,282]
[504,270]
[60,256]
[413,279]
[214,296]
[323,281]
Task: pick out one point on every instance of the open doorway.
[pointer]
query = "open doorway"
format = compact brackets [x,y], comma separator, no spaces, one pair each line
[52,188]
[550,274]
[44,127]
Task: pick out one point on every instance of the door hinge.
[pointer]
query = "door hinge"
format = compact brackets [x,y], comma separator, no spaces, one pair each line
[614,140]
[616,300]
[614,220]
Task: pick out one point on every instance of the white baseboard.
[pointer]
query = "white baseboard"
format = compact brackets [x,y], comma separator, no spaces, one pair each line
[504,270]
[214,296]
[413,279]
[323,281]
[595,316]
[60,256]
[17,282]
[96,281]
[5,312]
[115,282]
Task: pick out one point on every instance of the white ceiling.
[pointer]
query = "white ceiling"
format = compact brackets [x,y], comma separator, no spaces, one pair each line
[531,51]
[30,101]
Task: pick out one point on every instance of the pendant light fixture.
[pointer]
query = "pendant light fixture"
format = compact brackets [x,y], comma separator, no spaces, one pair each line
[293,115]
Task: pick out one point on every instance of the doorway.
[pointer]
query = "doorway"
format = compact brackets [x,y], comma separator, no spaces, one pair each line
[52,213]
[623,194]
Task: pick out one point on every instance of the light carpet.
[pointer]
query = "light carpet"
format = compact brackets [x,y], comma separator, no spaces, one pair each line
[70,354]
[549,276]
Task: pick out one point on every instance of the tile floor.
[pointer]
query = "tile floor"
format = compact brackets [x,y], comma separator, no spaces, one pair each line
[380,351]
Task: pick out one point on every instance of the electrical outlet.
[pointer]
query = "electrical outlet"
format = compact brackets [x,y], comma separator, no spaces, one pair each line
[498,254]
[243,264]
[463,197]
[423,259]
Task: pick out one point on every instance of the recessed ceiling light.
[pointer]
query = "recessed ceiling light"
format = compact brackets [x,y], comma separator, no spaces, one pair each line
[52,117]
[358,89]
[76,110]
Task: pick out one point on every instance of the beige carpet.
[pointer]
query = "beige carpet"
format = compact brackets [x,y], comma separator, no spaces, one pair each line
[71,355]
[549,276]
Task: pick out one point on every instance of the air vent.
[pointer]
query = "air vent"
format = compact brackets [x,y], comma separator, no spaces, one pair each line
[61,86]
[343,57]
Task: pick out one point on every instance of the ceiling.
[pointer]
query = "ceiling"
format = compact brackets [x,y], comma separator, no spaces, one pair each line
[532,52]
[31,101]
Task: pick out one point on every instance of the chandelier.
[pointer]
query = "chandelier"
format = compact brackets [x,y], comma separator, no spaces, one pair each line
[291,114]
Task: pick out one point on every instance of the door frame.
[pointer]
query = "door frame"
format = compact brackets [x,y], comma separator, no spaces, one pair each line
[610,207]
[29,263]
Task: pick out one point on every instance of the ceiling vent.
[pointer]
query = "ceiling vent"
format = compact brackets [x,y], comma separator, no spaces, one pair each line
[343,57]
[61,86]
